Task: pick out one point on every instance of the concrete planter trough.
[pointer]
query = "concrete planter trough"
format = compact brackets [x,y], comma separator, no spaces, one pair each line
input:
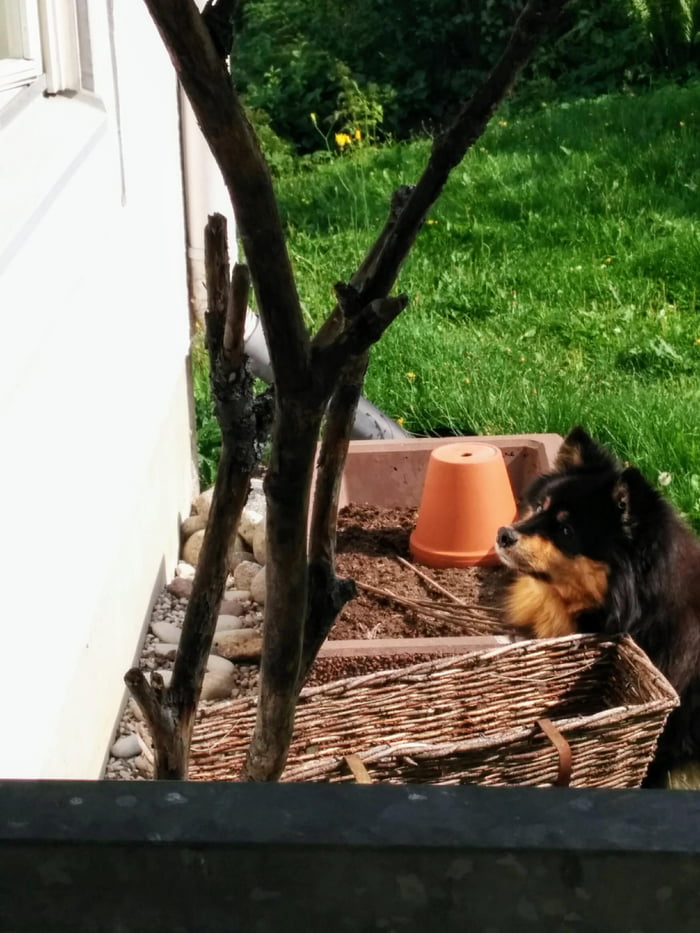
[82,857]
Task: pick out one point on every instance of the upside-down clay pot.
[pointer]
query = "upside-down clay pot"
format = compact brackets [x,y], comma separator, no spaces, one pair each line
[466,497]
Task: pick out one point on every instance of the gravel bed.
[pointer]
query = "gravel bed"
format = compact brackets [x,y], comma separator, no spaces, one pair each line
[132,734]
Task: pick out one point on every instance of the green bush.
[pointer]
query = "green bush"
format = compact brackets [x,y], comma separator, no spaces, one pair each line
[399,67]
[673,28]
[278,152]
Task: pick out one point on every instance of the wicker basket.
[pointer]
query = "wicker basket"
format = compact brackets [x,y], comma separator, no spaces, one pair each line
[475,719]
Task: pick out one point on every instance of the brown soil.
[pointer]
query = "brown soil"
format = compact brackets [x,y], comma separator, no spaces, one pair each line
[369,541]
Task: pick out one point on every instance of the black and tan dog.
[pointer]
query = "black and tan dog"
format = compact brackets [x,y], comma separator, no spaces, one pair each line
[597,549]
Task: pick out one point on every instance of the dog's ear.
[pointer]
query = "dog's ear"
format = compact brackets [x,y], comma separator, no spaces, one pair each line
[635,498]
[580,451]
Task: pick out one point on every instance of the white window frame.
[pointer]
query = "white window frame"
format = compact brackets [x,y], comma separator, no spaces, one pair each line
[41,37]
[22,60]
[59,43]
[51,123]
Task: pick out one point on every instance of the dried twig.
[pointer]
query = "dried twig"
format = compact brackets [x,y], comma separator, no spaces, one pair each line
[429,580]
[483,621]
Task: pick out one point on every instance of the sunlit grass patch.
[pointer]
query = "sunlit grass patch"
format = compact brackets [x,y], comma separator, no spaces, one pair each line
[557,280]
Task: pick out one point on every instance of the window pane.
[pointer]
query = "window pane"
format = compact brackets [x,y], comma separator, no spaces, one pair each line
[19,29]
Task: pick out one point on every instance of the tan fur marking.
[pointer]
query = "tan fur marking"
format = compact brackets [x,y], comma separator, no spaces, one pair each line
[536,605]
[549,607]
[569,455]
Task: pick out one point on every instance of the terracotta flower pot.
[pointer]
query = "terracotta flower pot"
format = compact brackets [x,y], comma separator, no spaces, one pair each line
[466,497]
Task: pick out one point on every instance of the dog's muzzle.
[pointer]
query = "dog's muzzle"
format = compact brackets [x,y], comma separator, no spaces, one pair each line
[506,537]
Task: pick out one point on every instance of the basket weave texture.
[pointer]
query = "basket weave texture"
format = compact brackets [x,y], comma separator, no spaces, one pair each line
[468,719]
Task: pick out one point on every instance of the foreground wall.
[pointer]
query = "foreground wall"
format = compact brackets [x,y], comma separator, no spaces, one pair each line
[94,416]
[179,858]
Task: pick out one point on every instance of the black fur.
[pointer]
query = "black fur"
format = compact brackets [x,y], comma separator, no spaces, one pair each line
[653,593]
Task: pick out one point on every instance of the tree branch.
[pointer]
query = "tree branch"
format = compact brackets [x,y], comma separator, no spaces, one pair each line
[328,593]
[218,16]
[169,711]
[350,302]
[207,83]
[450,147]
[234,331]
[287,484]
[355,339]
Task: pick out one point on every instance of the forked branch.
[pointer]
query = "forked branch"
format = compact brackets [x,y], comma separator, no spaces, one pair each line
[170,711]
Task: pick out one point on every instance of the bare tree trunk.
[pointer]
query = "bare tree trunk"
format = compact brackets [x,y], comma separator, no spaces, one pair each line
[287,483]
[170,711]
[306,372]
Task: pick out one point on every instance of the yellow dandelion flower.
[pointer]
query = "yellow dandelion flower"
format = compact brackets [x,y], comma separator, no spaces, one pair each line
[503,123]
[431,222]
[697,341]
[358,134]
[342,139]
[401,421]
[313,118]
[411,377]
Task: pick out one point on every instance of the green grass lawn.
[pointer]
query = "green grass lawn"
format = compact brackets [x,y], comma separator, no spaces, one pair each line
[557,280]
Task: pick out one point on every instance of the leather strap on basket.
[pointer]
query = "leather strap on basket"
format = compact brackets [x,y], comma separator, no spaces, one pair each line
[563,748]
[360,773]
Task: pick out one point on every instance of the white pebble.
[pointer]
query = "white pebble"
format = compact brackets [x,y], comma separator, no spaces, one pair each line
[239,596]
[217,686]
[202,504]
[126,746]
[228,623]
[260,543]
[219,665]
[192,547]
[250,519]
[166,652]
[257,587]
[231,607]
[244,573]
[166,632]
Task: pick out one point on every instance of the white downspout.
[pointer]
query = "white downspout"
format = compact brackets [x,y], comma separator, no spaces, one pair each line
[205,194]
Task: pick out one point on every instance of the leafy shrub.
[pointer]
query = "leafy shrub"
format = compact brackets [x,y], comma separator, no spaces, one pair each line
[399,67]
[673,27]
[279,153]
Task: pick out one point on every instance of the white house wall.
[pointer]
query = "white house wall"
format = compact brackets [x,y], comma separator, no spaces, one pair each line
[95,465]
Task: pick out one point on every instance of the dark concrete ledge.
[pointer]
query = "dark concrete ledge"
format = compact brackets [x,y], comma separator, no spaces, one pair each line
[194,858]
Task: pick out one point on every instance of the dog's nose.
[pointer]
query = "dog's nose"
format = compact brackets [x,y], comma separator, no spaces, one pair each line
[506,536]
